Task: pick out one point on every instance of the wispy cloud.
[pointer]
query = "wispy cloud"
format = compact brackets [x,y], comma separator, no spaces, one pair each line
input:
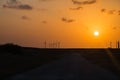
[118,12]
[44,22]
[87,2]
[77,8]
[15,4]
[67,20]
[114,28]
[24,18]
[103,10]
[112,12]
[43,0]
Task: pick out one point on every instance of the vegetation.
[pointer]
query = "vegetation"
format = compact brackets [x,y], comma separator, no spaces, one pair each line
[11,48]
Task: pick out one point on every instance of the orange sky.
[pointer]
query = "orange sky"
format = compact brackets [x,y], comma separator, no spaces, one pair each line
[31,22]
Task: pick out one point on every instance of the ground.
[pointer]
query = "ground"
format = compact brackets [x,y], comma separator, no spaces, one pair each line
[32,58]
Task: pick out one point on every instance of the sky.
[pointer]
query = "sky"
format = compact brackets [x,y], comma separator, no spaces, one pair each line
[68,22]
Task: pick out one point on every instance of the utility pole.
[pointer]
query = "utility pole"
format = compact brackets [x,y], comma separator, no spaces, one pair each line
[45,44]
[110,44]
[118,44]
[58,44]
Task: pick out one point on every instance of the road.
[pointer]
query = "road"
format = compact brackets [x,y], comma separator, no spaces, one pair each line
[71,67]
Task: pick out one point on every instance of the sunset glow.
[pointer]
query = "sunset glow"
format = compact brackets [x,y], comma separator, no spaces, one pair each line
[32,22]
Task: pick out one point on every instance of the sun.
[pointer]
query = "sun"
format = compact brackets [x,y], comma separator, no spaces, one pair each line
[96,33]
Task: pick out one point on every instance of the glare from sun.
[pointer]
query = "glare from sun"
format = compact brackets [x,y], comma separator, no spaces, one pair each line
[96,33]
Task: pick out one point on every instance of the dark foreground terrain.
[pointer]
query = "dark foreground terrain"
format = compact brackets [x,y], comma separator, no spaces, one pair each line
[17,60]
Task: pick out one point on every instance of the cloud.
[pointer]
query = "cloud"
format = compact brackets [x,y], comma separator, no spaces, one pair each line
[15,4]
[12,1]
[45,22]
[118,12]
[112,12]
[78,8]
[114,28]
[67,20]
[43,0]
[25,18]
[103,10]
[87,2]
[76,2]
[25,6]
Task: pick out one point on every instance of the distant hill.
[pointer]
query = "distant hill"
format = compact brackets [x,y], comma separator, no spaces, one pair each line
[11,48]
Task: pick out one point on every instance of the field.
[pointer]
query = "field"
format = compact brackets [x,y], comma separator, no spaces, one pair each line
[31,58]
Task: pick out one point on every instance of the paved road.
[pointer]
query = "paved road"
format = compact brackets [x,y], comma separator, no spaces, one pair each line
[71,67]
